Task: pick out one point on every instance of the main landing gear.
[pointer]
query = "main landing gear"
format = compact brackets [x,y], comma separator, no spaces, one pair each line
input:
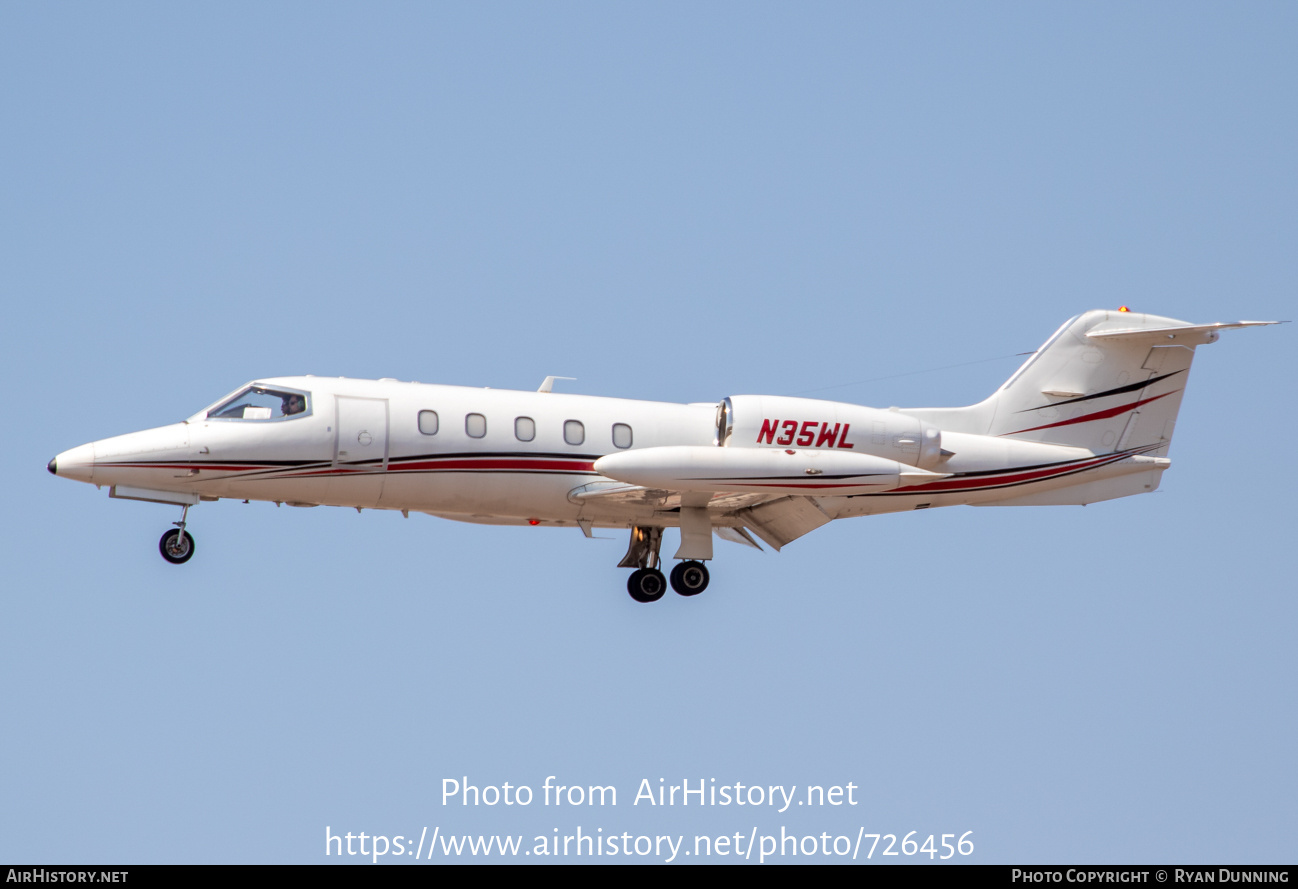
[177,545]
[690,578]
[647,583]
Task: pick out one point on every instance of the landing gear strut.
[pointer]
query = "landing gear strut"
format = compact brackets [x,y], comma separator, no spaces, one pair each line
[177,546]
[646,583]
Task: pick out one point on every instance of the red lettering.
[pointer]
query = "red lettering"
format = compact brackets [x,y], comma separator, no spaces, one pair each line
[790,429]
[827,434]
[808,433]
[842,440]
[768,430]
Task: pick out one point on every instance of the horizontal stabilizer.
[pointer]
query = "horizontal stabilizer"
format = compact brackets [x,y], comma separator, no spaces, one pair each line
[1180,334]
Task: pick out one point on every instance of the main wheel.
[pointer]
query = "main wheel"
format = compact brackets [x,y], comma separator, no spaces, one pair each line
[690,578]
[646,585]
[176,549]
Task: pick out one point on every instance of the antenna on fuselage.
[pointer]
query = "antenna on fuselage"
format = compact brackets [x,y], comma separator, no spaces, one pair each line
[549,383]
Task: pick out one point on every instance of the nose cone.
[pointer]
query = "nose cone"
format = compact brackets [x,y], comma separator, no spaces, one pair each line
[78,463]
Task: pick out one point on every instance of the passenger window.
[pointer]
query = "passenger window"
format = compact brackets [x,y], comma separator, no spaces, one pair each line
[573,432]
[475,425]
[524,428]
[428,422]
[621,435]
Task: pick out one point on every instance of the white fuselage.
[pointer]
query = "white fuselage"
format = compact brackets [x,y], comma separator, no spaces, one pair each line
[510,457]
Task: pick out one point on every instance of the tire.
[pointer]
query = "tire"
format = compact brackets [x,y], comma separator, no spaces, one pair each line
[174,549]
[646,585]
[690,578]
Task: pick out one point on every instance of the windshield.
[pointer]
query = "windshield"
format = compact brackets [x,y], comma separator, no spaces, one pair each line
[262,403]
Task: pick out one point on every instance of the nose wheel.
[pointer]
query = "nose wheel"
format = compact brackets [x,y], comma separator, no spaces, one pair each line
[177,545]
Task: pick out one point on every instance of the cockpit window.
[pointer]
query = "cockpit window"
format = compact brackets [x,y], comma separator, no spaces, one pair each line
[261,403]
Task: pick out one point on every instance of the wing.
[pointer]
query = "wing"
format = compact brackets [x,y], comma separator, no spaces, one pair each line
[777,520]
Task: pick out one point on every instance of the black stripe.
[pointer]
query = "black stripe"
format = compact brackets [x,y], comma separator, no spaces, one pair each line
[549,455]
[1132,387]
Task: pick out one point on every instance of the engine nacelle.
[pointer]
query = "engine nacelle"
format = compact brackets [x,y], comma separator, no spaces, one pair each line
[776,421]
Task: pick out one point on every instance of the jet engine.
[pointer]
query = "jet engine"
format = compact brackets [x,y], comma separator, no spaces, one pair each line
[775,421]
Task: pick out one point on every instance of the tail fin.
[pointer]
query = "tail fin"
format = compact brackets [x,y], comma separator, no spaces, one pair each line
[1106,381]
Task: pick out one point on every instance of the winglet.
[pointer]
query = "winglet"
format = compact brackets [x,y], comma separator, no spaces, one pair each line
[549,383]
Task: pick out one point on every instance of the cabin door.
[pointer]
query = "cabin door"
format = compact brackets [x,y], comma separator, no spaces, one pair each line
[360,450]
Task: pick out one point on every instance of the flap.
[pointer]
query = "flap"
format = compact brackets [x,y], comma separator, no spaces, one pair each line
[783,521]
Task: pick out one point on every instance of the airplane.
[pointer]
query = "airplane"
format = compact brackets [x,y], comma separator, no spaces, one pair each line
[1087,417]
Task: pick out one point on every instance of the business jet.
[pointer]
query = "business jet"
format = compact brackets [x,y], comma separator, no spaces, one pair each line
[1088,417]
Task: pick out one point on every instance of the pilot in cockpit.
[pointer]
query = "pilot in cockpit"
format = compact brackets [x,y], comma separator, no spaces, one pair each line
[293,404]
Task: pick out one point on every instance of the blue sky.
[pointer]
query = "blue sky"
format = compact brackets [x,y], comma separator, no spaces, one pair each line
[672,202]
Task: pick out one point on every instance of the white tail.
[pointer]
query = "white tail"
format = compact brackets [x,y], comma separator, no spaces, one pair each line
[1106,381]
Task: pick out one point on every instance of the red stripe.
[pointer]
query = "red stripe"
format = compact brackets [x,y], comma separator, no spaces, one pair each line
[790,484]
[485,464]
[999,480]
[1098,415]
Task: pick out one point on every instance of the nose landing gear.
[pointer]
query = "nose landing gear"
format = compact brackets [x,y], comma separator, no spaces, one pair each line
[177,546]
